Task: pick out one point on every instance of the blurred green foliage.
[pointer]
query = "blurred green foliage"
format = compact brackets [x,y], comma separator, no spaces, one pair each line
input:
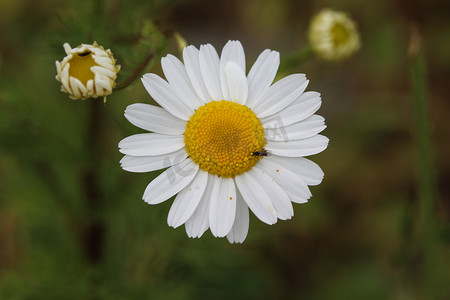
[73,225]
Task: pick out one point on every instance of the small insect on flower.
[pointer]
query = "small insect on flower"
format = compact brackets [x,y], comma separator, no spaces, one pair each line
[214,133]
[87,71]
[85,53]
[261,153]
[333,35]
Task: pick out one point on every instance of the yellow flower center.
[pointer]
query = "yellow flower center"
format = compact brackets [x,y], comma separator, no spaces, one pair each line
[340,34]
[222,137]
[80,67]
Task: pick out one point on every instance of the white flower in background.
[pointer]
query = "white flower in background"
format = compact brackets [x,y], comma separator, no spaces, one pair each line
[333,35]
[230,141]
[87,71]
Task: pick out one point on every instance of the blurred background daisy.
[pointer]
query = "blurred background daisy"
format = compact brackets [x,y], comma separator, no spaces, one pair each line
[71,222]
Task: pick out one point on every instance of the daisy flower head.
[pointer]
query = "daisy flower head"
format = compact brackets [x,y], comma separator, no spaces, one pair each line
[87,71]
[333,35]
[231,142]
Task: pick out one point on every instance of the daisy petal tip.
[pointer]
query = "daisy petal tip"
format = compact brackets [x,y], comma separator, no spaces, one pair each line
[305,83]
[233,241]
[190,48]
[218,234]
[173,224]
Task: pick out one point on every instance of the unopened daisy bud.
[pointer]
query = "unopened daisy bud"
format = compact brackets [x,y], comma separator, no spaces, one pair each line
[87,71]
[333,35]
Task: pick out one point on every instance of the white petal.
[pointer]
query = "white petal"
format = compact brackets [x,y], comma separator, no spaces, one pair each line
[297,131]
[79,85]
[210,69]
[58,70]
[297,148]
[255,197]
[170,182]
[103,71]
[262,74]
[74,83]
[239,230]
[141,164]
[290,182]
[222,210]
[179,81]
[65,78]
[198,223]
[187,200]
[90,85]
[310,172]
[279,198]
[303,107]
[102,83]
[67,48]
[231,52]
[105,62]
[161,91]
[236,83]
[192,65]
[297,198]
[144,144]
[281,94]
[156,119]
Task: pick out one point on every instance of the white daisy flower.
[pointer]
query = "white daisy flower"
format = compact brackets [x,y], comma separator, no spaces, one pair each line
[333,35]
[231,142]
[87,71]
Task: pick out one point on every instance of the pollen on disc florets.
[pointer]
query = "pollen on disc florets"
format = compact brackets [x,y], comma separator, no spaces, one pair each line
[87,71]
[221,137]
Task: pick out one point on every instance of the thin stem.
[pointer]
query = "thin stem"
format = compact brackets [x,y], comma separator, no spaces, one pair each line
[136,72]
[426,223]
[93,235]
[296,59]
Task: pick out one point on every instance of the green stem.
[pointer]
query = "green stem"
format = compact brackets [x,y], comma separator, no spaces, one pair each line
[296,59]
[136,72]
[94,231]
[426,223]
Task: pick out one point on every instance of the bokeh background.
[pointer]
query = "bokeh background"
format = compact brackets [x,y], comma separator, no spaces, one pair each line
[73,225]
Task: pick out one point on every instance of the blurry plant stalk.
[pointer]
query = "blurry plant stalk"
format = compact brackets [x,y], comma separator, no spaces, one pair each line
[141,67]
[426,226]
[148,34]
[296,59]
[94,231]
